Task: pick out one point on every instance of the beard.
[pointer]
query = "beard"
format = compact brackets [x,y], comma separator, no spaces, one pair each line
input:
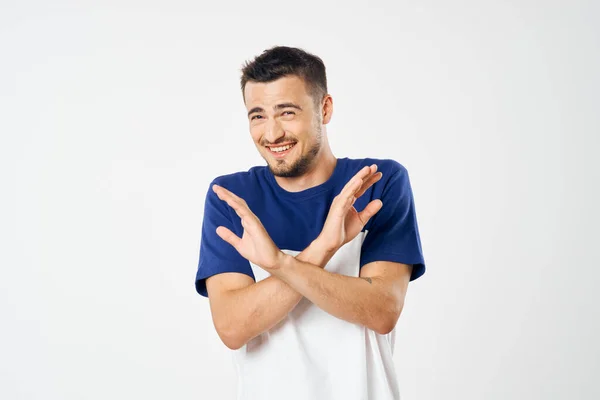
[299,167]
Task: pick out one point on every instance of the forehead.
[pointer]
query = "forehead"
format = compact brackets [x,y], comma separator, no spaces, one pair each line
[287,88]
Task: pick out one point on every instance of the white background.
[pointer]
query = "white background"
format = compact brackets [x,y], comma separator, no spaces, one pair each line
[115,118]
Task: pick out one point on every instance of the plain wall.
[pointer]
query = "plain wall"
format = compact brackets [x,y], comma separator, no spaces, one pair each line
[114,119]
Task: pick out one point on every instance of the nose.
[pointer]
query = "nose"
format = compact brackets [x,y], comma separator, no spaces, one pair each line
[273,131]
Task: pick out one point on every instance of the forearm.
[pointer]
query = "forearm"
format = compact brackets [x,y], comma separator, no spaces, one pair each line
[256,308]
[364,301]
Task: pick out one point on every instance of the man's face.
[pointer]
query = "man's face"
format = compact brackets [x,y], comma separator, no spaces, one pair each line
[281,114]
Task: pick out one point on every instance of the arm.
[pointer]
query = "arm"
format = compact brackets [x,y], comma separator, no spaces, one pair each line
[343,223]
[375,299]
[391,256]
[243,309]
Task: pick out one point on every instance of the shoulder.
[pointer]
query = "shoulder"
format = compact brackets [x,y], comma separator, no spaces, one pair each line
[391,169]
[242,183]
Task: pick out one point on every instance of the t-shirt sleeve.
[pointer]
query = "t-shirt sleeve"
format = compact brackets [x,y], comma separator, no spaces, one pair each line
[392,233]
[216,255]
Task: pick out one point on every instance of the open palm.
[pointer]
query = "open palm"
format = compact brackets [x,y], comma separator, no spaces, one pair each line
[255,245]
[343,222]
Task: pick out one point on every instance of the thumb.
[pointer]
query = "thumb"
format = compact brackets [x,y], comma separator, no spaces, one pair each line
[228,236]
[371,209]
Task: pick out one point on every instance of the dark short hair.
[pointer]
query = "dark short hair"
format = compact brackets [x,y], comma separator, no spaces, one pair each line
[280,61]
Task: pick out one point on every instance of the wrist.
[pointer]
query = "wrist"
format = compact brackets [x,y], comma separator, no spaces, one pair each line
[327,250]
[282,260]
[284,264]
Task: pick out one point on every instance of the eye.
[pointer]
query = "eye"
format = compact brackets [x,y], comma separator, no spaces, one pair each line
[290,112]
[255,116]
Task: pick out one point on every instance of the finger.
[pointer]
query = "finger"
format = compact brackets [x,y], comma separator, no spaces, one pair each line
[248,219]
[365,174]
[346,198]
[371,209]
[239,209]
[370,182]
[350,188]
[367,181]
[228,236]
[358,185]
[230,194]
[356,178]
[237,203]
[227,194]
[343,201]
[372,172]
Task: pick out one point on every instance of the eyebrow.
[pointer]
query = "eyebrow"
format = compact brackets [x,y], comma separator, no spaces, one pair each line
[277,107]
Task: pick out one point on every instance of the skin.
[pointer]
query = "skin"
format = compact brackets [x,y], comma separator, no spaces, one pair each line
[281,112]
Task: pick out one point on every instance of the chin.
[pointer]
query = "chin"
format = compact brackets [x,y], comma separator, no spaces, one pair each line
[286,170]
[283,171]
[292,167]
[279,168]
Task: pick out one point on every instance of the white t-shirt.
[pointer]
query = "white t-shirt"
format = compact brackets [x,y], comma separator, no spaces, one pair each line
[310,354]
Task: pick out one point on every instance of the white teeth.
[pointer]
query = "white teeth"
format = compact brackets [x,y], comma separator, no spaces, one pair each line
[282,148]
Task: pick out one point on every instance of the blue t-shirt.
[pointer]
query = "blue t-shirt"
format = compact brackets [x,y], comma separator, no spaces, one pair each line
[295,219]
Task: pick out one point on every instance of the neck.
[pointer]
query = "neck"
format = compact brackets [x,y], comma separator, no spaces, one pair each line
[319,172]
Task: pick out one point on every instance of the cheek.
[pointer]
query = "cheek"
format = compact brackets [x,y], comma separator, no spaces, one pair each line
[256,133]
[297,128]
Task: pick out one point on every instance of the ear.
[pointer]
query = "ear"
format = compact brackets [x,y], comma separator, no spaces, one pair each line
[327,109]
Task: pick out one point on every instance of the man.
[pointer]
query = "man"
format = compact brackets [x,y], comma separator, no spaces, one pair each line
[305,288]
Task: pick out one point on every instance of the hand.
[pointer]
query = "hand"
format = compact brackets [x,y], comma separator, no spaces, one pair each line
[255,245]
[343,222]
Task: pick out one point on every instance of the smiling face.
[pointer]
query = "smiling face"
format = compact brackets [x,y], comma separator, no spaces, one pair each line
[285,124]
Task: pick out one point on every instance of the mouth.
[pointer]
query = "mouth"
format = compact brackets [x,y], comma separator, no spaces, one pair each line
[281,151]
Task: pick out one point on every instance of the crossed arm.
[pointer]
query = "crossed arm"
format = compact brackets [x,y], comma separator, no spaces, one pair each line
[242,309]
[374,300]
